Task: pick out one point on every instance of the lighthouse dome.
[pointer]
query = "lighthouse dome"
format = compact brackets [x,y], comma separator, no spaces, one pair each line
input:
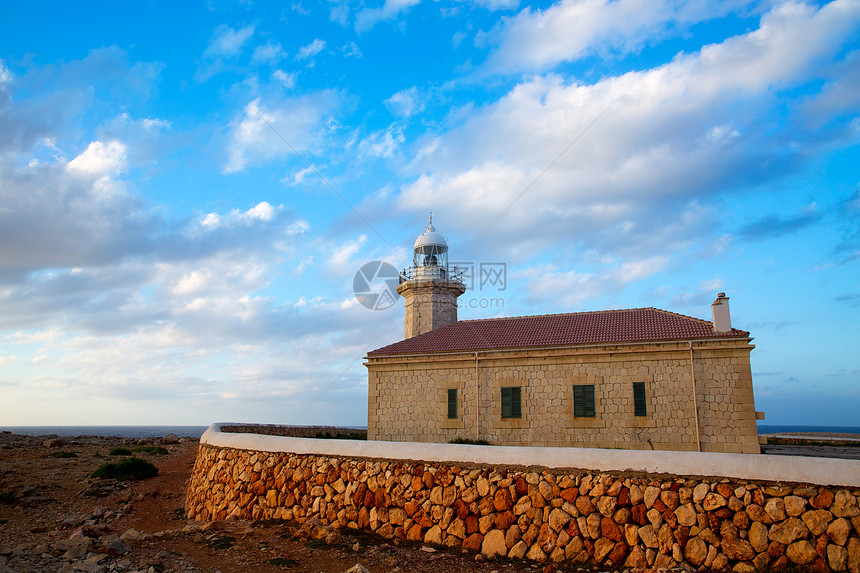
[431,249]
[429,237]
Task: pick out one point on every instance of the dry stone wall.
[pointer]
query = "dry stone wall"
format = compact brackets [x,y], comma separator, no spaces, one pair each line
[637,521]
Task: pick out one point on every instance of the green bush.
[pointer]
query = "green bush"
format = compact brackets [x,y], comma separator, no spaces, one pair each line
[157,450]
[120,452]
[64,455]
[131,468]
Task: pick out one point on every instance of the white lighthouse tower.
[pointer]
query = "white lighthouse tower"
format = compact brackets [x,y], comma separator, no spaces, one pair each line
[430,287]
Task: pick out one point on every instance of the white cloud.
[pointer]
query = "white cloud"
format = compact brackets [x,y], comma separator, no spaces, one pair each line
[662,140]
[340,260]
[100,159]
[301,121]
[351,50]
[340,13]
[536,40]
[310,50]
[268,53]
[5,74]
[262,211]
[497,4]
[285,79]
[368,17]
[383,143]
[227,41]
[406,103]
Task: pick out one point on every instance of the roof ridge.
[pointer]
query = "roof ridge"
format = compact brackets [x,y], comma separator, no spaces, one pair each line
[563,314]
[702,320]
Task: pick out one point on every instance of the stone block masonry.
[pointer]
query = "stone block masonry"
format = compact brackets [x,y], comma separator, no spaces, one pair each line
[608,518]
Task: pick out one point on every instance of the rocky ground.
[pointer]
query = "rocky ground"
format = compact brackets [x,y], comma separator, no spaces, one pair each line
[55,517]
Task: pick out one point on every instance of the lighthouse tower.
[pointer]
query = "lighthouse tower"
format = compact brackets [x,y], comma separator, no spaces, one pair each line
[430,287]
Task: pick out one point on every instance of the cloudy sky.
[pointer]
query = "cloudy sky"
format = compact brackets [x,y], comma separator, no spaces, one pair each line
[188,189]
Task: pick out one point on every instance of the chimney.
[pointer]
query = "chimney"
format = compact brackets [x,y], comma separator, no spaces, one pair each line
[720,310]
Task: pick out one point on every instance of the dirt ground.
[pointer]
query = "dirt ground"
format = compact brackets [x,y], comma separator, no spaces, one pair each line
[50,507]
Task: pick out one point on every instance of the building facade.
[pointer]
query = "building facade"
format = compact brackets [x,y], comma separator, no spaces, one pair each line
[633,379]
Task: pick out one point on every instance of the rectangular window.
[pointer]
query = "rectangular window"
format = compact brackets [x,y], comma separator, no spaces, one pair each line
[639,408]
[512,402]
[452,403]
[583,401]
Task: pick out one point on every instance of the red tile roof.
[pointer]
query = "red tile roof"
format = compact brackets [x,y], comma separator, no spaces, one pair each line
[573,329]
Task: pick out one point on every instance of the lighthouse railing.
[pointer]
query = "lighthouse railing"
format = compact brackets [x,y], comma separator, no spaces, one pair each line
[432,272]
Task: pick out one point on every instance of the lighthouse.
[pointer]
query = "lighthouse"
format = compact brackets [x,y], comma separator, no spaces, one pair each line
[430,287]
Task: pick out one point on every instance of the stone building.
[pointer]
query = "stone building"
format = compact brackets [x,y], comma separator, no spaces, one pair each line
[640,378]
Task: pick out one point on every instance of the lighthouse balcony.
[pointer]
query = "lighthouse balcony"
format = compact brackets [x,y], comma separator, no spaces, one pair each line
[432,272]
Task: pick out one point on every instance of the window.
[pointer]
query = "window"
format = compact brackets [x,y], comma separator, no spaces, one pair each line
[512,402]
[639,408]
[583,401]
[452,403]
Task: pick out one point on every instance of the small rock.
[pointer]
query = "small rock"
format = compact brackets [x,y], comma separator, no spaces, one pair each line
[357,568]
[170,439]
[118,547]
[131,535]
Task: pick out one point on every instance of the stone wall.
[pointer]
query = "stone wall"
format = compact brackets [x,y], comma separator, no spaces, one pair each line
[294,431]
[407,397]
[552,515]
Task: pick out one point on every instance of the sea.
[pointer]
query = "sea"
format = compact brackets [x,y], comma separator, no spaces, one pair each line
[107,431]
[197,431]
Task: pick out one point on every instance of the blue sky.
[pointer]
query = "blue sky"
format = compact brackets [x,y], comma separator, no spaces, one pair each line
[188,189]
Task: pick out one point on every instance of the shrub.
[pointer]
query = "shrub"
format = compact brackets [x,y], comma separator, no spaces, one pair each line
[120,452]
[131,468]
[341,436]
[64,455]
[469,441]
[157,450]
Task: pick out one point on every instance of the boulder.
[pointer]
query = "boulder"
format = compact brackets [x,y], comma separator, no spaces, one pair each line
[494,544]
[853,555]
[816,520]
[696,551]
[789,531]
[714,501]
[775,508]
[602,547]
[518,551]
[794,505]
[700,491]
[686,515]
[837,557]
[823,499]
[839,530]
[636,559]
[648,536]
[844,504]
[558,518]
[535,553]
[758,536]
[801,552]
